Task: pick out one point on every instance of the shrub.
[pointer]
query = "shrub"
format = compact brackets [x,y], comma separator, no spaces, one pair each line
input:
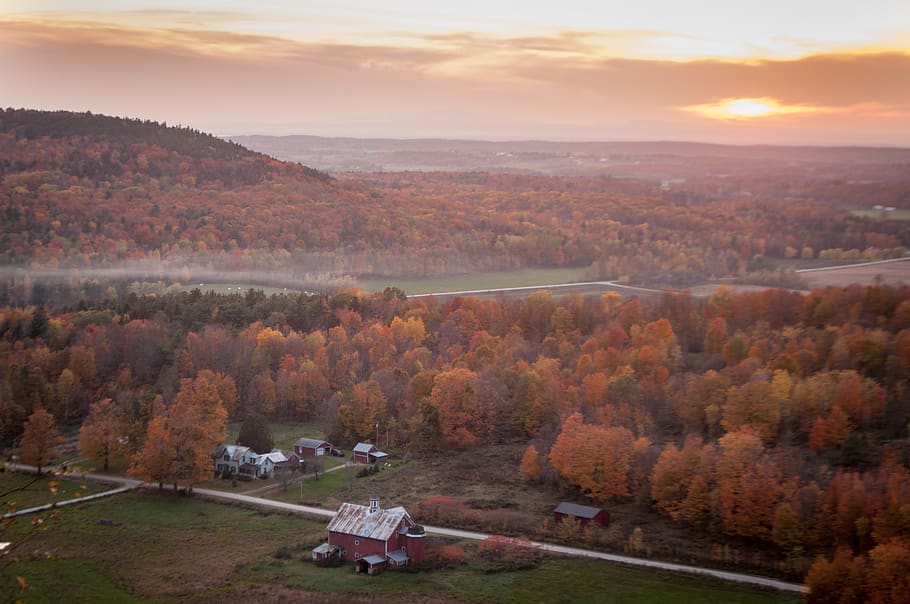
[283,553]
[505,554]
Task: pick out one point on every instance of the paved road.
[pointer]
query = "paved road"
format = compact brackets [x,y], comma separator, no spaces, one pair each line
[632,288]
[471,292]
[438,530]
[854,265]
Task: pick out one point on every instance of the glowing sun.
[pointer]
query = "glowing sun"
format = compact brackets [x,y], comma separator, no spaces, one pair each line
[748,108]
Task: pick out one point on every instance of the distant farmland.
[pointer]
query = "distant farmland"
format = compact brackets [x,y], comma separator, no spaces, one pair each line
[892,273]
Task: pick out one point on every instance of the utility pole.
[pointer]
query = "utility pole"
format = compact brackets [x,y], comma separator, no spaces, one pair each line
[377,432]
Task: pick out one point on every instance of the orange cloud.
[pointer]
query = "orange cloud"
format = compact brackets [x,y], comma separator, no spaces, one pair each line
[739,109]
[460,85]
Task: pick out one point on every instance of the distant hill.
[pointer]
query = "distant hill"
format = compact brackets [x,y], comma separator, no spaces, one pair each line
[95,199]
[100,147]
[87,191]
[648,160]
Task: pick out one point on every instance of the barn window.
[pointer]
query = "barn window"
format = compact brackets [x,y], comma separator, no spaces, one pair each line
[356,555]
[403,548]
[356,541]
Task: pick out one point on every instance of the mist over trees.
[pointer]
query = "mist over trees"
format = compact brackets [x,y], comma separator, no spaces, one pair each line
[92,204]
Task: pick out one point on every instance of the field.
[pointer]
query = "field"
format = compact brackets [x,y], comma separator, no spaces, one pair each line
[24,491]
[896,214]
[864,274]
[476,281]
[174,549]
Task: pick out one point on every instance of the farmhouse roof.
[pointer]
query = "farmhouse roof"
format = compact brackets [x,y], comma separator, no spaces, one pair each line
[574,509]
[310,443]
[363,447]
[235,452]
[276,455]
[354,519]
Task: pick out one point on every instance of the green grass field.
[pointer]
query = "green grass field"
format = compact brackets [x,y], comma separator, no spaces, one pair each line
[161,547]
[896,215]
[23,491]
[475,281]
[555,580]
[328,487]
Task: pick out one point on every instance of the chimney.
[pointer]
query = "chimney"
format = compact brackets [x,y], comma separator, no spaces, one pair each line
[374,503]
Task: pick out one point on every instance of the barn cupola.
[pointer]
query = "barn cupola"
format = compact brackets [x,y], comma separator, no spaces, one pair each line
[374,503]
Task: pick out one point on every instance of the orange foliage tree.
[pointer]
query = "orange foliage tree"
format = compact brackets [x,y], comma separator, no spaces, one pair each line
[40,439]
[179,445]
[595,459]
[462,418]
[103,434]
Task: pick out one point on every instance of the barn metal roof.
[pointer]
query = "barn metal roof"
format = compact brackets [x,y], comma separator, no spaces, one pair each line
[353,519]
[311,443]
[574,509]
[398,556]
[363,447]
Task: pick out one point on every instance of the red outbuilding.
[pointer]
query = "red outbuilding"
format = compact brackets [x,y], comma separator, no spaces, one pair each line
[582,514]
[312,447]
[367,453]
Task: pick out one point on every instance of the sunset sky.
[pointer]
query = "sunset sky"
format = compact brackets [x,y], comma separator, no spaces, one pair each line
[775,71]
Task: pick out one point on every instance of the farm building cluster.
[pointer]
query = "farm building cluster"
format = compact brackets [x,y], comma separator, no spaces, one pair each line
[371,537]
[244,463]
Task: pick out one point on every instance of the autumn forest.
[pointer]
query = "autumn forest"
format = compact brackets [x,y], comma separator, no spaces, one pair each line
[775,418]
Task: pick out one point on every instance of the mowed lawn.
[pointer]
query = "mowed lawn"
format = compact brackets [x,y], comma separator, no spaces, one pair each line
[160,547]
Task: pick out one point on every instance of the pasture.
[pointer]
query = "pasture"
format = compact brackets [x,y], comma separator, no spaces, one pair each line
[175,549]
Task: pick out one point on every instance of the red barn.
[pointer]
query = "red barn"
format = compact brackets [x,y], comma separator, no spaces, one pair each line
[367,453]
[582,514]
[311,447]
[372,537]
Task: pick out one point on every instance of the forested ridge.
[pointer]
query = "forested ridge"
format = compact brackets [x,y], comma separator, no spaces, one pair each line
[81,191]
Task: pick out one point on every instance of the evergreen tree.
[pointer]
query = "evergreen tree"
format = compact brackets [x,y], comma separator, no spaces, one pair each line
[255,433]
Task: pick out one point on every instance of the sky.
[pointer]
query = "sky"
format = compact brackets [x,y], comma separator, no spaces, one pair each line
[825,72]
